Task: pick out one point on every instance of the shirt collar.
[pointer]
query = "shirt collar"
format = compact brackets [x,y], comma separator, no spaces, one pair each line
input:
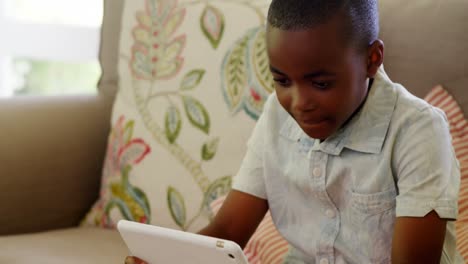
[367,130]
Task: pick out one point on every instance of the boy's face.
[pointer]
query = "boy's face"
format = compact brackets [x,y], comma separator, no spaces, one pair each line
[319,78]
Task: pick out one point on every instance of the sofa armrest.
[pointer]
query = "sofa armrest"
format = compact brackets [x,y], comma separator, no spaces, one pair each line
[51,154]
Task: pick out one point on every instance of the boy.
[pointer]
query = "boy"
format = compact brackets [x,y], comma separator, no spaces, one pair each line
[353,168]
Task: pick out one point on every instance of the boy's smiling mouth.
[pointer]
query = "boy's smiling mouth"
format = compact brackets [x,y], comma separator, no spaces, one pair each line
[313,125]
[310,120]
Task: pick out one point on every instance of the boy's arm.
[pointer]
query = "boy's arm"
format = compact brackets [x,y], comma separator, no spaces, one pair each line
[238,218]
[428,180]
[418,239]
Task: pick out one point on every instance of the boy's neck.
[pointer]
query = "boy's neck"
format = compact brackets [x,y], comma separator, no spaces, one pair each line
[369,86]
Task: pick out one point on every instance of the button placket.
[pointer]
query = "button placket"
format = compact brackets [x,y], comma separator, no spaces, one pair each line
[330,213]
[318,163]
[325,244]
[317,172]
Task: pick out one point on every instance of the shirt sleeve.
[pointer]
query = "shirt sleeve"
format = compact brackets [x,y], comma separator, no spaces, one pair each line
[250,177]
[428,173]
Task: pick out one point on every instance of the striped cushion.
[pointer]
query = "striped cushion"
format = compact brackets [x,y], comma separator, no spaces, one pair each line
[266,246]
[440,98]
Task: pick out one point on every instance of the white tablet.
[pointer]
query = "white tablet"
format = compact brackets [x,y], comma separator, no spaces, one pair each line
[158,245]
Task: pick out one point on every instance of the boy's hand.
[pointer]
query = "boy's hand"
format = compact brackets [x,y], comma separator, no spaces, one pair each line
[134,260]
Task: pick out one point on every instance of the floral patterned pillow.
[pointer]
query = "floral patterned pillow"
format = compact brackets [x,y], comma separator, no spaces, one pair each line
[193,79]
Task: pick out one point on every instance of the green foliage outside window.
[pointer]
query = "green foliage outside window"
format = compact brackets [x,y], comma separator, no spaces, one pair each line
[53,77]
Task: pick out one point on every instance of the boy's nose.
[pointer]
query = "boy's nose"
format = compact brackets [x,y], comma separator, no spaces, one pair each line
[303,100]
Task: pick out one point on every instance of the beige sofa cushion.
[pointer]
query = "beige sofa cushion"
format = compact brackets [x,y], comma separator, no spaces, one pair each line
[49,173]
[426,45]
[70,246]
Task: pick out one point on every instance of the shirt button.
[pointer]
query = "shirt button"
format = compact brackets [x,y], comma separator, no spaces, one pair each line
[317,172]
[330,213]
[324,261]
[432,205]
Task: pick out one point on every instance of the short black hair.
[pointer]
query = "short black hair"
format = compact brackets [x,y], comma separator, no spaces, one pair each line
[362,17]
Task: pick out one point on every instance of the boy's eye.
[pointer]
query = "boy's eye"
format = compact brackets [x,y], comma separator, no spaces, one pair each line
[321,85]
[281,81]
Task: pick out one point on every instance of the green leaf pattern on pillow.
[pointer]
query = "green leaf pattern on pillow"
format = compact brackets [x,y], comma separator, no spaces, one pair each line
[246,78]
[192,79]
[157,54]
[209,149]
[212,24]
[177,207]
[173,123]
[197,113]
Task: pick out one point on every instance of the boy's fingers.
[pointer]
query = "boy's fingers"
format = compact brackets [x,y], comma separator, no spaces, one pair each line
[134,260]
[129,260]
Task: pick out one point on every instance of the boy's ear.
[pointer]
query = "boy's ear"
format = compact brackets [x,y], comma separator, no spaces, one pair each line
[375,57]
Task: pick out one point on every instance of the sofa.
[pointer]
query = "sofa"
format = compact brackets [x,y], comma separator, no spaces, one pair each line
[52,149]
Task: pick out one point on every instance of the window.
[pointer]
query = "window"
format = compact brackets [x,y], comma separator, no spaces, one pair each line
[49,46]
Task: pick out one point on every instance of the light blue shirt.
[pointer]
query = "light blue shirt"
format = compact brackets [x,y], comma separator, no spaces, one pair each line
[337,201]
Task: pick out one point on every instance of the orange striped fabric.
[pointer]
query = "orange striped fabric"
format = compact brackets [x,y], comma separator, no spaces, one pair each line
[266,246]
[440,98]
